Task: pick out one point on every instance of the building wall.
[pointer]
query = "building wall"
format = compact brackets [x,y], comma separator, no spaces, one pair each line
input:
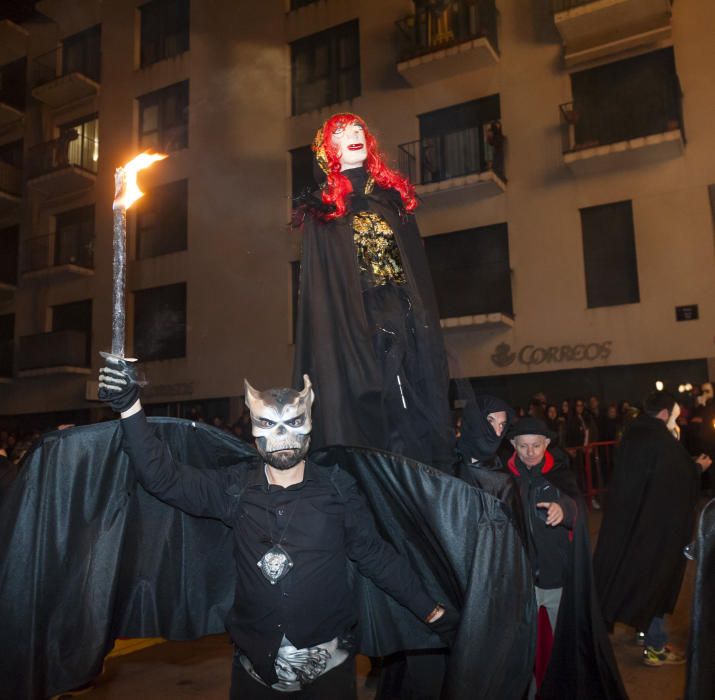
[239,247]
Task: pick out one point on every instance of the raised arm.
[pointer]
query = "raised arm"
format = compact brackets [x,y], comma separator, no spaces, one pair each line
[196,491]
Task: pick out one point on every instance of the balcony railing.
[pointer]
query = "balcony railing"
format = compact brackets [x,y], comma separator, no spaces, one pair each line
[52,65]
[7,353]
[66,247]
[431,29]
[56,349]
[603,123]
[13,84]
[453,154]
[68,150]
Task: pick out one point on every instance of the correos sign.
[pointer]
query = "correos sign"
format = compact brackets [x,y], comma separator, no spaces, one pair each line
[529,355]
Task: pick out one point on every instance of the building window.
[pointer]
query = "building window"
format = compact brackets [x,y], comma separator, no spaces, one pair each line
[164,30]
[9,242]
[160,322]
[76,316]
[456,141]
[623,100]
[609,255]
[161,220]
[325,68]
[74,237]
[301,171]
[470,271]
[164,118]
[13,82]
[78,144]
[7,344]
[82,53]
[11,154]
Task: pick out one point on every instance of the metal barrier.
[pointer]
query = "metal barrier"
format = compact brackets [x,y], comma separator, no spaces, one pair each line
[60,62]
[598,456]
[65,247]
[439,27]
[67,150]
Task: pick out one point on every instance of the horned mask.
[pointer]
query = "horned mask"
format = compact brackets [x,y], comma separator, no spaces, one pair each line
[281,423]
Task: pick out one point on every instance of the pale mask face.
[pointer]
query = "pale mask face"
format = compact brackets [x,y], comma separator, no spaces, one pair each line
[349,141]
[281,423]
[673,420]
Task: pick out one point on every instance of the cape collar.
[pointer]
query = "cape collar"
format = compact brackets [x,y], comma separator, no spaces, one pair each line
[548,464]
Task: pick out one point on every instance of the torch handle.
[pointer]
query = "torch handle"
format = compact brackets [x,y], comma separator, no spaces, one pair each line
[119,277]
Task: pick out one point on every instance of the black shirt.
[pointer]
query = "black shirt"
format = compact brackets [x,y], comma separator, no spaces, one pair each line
[320,522]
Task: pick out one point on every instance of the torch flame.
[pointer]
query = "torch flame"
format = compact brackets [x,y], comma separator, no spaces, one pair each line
[126,189]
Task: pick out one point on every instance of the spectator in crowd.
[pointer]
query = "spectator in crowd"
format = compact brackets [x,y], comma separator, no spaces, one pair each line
[649,519]
[555,425]
[580,429]
[8,470]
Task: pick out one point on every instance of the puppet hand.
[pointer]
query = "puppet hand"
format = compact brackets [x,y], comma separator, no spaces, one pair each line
[704,462]
[118,385]
[446,626]
[554,513]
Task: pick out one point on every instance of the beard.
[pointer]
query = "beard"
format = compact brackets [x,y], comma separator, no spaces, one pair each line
[283,459]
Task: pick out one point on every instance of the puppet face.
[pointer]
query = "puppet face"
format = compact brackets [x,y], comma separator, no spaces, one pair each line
[530,448]
[281,423]
[350,145]
[672,422]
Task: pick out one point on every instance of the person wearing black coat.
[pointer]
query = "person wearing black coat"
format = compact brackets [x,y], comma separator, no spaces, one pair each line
[648,520]
[574,658]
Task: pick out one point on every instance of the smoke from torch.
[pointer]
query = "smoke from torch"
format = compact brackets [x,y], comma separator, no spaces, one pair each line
[126,192]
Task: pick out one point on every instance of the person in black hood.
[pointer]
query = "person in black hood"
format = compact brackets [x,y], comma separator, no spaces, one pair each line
[485,422]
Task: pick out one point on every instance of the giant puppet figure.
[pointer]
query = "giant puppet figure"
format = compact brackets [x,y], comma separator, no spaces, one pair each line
[368,331]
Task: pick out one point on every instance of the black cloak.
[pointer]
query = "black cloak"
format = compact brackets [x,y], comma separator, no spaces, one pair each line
[701,647]
[648,519]
[335,347]
[582,665]
[86,555]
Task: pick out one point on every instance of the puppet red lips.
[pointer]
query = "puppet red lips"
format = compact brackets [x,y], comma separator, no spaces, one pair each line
[355,147]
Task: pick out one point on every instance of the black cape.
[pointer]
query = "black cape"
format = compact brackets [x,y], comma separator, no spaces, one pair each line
[335,348]
[701,647]
[582,664]
[649,516]
[86,555]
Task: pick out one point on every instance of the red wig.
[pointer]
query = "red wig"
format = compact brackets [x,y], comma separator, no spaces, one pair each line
[338,186]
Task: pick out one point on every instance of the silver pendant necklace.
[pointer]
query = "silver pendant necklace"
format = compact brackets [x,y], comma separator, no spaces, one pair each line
[276,562]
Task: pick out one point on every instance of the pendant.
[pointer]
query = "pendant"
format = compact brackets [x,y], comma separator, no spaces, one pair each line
[275,564]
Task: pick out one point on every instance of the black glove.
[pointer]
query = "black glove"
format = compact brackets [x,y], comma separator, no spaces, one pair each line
[447,625]
[118,385]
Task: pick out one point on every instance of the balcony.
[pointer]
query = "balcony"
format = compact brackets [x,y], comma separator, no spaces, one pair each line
[469,159]
[65,165]
[12,92]
[58,352]
[592,29]
[612,135]
[7,354]
[439,44]
[61,82]
[60,257]
[10,188]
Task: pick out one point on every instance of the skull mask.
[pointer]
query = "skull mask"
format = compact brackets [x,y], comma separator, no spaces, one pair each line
[281,423]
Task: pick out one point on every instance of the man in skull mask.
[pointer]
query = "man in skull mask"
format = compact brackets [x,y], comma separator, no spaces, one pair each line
[295,526]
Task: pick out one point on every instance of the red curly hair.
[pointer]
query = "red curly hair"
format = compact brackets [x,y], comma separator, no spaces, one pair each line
[338,186]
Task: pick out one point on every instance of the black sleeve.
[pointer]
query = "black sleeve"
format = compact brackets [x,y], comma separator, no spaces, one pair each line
[195,491]
[377,559]
[570,509]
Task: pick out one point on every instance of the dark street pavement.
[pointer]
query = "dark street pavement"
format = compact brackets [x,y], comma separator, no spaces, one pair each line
[201,669]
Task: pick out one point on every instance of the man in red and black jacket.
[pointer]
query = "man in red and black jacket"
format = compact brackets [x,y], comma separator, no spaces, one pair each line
[574,658]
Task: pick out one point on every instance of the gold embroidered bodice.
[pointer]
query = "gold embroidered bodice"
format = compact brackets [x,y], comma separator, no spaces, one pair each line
[376,248]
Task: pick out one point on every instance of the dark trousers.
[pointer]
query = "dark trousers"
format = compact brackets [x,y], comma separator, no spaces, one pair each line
[336,684]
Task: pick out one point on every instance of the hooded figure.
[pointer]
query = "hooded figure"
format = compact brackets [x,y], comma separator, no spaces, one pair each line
[368,332]
[485,423]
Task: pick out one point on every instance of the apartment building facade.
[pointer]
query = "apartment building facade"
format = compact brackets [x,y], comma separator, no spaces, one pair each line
[562,152]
